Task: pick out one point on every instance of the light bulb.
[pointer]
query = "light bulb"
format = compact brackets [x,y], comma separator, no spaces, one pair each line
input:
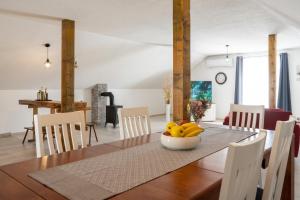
[227,59]
[47,63]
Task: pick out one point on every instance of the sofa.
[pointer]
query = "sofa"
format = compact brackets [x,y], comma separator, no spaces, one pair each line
[271,117]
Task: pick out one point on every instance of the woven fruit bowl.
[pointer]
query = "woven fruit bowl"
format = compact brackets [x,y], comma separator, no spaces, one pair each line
[181,137]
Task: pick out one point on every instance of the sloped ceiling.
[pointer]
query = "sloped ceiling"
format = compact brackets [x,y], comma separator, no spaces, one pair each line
[287,11]
[128,43]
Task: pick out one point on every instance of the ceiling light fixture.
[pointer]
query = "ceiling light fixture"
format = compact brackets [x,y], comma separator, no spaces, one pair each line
[47,63]
[227,55]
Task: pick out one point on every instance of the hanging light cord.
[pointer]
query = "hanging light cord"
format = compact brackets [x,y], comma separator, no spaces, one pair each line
[47,53]
[227,55]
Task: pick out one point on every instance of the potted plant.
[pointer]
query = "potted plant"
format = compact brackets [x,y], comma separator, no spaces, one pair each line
[197,109]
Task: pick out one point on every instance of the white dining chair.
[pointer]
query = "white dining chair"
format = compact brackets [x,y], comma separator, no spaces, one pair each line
[242,169]
[63,127]
[134,122]
[278,160]
[249,117]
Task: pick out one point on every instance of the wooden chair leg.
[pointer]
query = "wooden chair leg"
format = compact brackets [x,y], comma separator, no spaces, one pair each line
[33,136]
[90,136]
[25,136]
[95,133]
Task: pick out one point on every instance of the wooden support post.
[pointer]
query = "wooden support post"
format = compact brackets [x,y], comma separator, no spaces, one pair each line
[67,65]
[272,71]
[181,59]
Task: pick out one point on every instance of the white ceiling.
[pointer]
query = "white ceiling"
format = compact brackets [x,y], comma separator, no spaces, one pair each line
[128,43]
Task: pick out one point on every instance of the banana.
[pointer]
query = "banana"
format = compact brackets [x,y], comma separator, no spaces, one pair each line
[169,126]
[177,131]
[185,130]
[194,133]
[190,129]
[187,125]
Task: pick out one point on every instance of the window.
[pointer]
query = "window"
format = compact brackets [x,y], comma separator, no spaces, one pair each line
[256,81]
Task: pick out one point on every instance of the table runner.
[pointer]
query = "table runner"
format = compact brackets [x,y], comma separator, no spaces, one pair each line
[106,175]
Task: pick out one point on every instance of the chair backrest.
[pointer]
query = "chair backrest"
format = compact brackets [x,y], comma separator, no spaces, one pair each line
[278,160]
[134,122]
[246,116]
[242,169]
[63,127]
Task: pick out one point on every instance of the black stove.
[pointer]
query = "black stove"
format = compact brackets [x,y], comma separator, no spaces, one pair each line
[111,109]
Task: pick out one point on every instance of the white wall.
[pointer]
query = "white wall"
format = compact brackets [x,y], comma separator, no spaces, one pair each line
[222,95]
[152,98]
[294,61]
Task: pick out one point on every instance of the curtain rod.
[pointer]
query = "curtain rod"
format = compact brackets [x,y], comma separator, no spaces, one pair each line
[254,55]
[259,53]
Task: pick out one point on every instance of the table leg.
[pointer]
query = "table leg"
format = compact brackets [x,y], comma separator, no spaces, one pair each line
[34,112]
[288,192]
[52,111]
[84,111]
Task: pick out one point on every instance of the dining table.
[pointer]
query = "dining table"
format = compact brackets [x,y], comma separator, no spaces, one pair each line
[200,179]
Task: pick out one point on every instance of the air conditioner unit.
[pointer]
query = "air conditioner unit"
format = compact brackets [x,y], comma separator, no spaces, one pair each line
[219,62]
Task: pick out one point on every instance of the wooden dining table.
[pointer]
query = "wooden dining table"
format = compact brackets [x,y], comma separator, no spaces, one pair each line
[54,107]
[198,180]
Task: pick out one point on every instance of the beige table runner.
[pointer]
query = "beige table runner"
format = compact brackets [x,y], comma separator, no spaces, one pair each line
[106,175]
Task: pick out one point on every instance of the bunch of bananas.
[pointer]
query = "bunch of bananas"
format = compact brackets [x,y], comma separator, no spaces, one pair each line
[185,130]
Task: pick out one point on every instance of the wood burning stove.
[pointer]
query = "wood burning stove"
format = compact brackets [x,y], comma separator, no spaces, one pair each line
[111,109]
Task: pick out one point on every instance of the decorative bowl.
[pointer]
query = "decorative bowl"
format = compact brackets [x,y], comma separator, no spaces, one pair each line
[179,143]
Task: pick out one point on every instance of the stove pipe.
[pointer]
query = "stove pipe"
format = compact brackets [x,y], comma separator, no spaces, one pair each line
[111,97]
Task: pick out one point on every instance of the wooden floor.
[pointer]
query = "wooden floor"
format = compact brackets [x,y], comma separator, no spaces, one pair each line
[12,150]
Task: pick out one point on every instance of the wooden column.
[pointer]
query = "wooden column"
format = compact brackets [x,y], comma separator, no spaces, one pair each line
[272,70]
[181,59]
[67,65]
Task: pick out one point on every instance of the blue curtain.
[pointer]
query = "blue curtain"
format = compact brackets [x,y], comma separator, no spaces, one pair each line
[284,93]
[238,94]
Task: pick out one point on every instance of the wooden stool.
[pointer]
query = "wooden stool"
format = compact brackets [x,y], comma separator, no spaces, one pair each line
[91,125]
[27,130]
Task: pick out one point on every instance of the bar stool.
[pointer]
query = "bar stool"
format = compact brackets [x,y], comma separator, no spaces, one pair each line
[27,130]
[91,125]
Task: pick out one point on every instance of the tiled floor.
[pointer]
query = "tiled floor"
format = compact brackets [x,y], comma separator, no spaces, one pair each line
[12,150]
